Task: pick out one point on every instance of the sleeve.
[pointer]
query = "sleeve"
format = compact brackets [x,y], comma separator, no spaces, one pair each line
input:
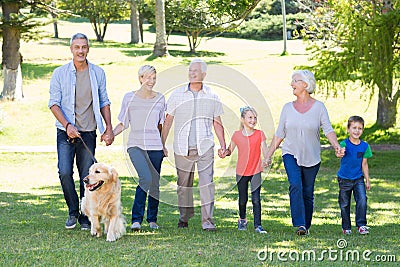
[325,122]
[55,90]
[343,143]
[234,137]
[368,152]
[103,96]
[171,106]
[163,109]
[218,111]
[281,131]
[123,114]
[263,137]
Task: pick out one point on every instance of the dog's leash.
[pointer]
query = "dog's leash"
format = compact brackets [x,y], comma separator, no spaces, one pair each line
[88,150]
[72,140]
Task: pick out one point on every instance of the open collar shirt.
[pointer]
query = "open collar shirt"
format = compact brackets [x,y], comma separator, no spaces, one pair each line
[181,105]
[62,92]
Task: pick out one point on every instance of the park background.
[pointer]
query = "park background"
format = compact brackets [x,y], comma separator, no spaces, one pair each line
[33,210]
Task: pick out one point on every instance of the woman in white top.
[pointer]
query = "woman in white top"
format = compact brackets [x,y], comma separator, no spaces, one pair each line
[299,125]
[144,112]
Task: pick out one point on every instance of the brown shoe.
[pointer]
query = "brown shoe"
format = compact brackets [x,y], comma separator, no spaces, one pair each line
[182,224]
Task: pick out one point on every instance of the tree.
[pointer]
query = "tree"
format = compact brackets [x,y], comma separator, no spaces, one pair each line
[202,17]
[160,46]
[99,12]
[134,22]
[284,32]
[352,40]
[15,24]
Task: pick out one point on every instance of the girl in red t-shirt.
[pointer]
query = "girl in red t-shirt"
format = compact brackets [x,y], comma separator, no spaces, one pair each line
[250,142]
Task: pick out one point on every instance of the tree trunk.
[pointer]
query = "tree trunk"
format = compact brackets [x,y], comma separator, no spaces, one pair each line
[387,111]
[11,55]
[141,19]
[160,46]
[134,23]
[54,16]
[284,27]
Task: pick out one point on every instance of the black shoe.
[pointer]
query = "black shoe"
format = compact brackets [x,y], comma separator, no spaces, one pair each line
[85,226]
[182,224]
[71,222]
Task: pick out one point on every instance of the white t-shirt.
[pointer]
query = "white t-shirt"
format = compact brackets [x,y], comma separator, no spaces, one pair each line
[143,116]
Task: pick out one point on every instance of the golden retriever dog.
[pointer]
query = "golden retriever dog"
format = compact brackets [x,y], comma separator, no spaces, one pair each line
[102,202]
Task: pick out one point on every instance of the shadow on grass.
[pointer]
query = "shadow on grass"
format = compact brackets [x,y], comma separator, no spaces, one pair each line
[37,71]
[181,53]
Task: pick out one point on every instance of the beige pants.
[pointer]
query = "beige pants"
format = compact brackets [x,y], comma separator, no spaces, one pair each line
[185,166]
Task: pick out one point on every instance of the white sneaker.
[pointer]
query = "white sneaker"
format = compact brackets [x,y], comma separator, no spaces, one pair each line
[135,226]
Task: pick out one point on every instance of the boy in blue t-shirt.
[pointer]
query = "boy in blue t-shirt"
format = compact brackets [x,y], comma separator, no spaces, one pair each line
[353,169]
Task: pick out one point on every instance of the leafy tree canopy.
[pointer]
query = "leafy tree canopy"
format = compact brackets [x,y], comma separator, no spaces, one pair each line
[199,18]
[357,40]
[99,12]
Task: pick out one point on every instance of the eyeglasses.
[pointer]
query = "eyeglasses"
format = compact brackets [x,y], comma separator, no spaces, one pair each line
[295,81]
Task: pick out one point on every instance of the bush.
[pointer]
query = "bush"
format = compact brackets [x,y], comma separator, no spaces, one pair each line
[267,27]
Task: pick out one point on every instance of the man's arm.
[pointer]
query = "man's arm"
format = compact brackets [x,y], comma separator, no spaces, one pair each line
[108,135]
[165,131]
[219,131]
[70,129]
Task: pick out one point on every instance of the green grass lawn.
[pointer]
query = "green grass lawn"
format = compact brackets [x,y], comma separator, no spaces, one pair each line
[33,213]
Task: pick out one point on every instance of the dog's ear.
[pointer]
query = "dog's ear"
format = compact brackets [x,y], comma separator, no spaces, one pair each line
[114,173]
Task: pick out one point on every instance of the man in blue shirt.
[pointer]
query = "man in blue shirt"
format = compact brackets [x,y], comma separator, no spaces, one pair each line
[79,101]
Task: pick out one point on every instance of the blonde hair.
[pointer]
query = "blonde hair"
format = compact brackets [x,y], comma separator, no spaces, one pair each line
[146,69]
[243,112]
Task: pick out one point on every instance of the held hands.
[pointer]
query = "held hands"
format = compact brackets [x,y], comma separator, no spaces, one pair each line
[267,162]
[340,151]
[222,152]
[108,136]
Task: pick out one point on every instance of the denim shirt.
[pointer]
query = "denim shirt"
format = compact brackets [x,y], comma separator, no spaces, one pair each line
[62,92]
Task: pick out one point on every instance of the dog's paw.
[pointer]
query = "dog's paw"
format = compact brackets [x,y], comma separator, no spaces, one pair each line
[111,237]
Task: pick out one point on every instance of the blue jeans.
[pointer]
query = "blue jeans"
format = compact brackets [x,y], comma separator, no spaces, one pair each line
[148,167]
[67,152]
[301,190]
[243,186]
[360,196]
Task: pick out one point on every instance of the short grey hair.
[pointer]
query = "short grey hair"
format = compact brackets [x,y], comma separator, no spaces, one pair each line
[202,64]
[307,77]
[78,36]
[145,69]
